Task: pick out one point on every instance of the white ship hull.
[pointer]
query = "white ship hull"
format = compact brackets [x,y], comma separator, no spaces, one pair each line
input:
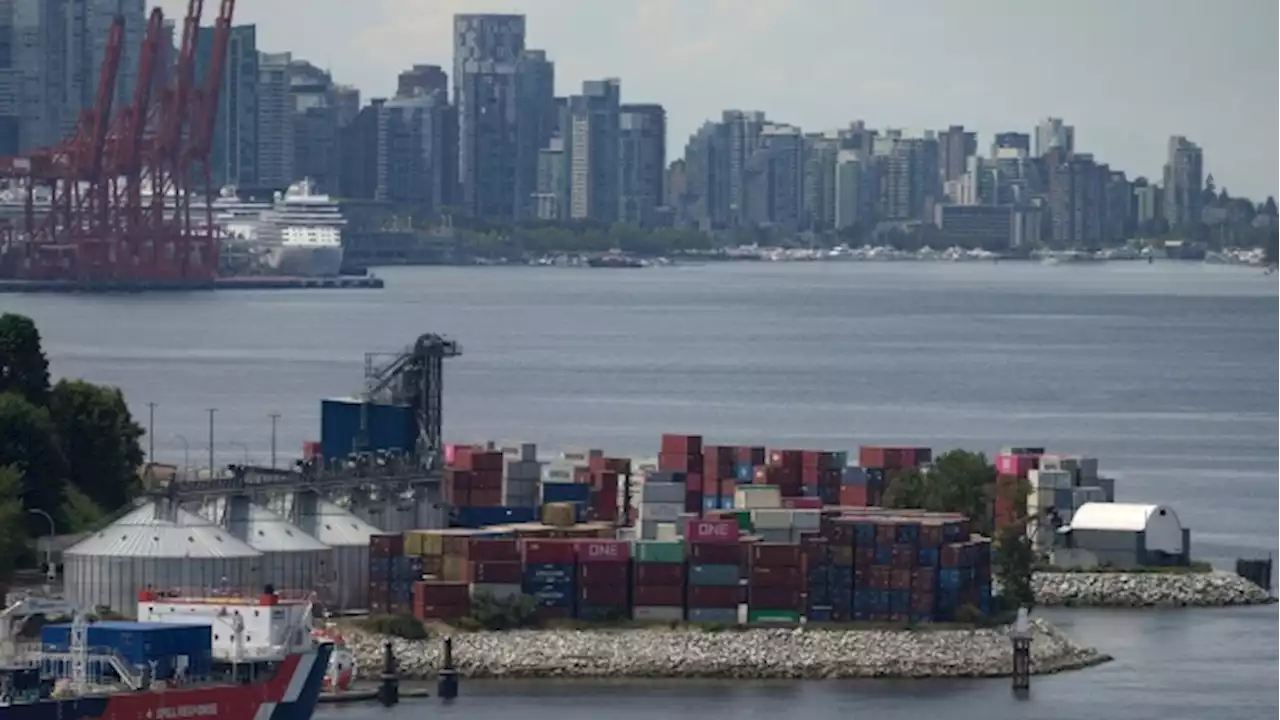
[306,260]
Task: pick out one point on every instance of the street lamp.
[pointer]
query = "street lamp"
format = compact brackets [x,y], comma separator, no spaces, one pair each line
[51,573]
[151,433]
[186,456]
[211,411]
[274,418]
[242,446]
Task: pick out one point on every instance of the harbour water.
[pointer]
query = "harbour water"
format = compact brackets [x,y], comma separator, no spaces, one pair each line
[1165,372]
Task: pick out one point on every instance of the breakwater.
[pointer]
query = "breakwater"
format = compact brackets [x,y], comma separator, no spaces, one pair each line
[741,654]
[1115,589]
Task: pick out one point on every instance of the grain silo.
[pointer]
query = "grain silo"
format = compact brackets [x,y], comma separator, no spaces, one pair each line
[292,560]
[161,547]
[347,587]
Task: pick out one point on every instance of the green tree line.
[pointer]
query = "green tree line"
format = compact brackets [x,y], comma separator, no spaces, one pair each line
[69,450]
[964,482]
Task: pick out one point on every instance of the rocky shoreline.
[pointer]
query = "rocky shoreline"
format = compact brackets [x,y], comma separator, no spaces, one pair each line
[1209,589]
[741,654]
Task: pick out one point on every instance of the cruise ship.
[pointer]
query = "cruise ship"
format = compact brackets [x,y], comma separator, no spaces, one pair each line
[238,220]
[302,232]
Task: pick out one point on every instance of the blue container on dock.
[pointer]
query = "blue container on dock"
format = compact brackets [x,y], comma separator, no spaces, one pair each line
[864,600]
[950,579]
[401,591]
[477,517]
[379,569]
[899,601]
[864,534]
[840,576]
[713,615]
[819,574]
[552,598]
[927,557]
[715,575]
[953,532]
[884,555]
[566,492]
[745,473]
[550,574]
[819,595]
[820,613]
[907,533]
[711,502]
[668,476]
[853,476]
[389,427]
[141,643]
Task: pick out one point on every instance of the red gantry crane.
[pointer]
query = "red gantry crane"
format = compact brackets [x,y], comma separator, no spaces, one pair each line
[112,205]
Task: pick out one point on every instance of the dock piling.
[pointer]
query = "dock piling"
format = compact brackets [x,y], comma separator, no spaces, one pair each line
[447,684]
[389,689]
[1021,636]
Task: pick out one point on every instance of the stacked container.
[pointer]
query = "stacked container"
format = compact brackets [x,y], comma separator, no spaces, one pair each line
[579,494]
[383,550]
[853,487]
[604,579]
[661,502]
[821,473]
[683,453]
[719,476]
[964,578]
[522,478]
[784,525]
[829,575]
[608,478]
[441,600]
[658,586]
[715,570]
[774,591]
[786,470]
[550,576]
[494,568]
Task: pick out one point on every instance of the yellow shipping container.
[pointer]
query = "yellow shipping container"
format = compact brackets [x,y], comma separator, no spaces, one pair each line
[454,568]
[423,542]
[558,514]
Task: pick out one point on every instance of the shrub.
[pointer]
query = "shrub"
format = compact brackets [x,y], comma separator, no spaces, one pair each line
[401,626]
[493,613]
[969,615]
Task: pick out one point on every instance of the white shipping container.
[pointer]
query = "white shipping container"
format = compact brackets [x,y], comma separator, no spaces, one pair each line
[497,591]
[661,511]
[659,492]
[771,519]
[757,497]
[774,535]
[648,529]
[667,531]
[1050,479]
[657,613]
[806,520]
[524,470]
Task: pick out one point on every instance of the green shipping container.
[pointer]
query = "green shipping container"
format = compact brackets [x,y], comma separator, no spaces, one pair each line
[744,520]
[659,551]
[772,616]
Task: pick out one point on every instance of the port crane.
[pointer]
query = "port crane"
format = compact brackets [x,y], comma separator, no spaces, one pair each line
[413,377]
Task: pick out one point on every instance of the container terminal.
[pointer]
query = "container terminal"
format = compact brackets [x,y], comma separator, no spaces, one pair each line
[380,515]
[127,204]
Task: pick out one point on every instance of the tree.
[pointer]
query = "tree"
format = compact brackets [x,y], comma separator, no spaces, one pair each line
[13,536]
[958,481]
[29,444]
[23,367]
[99,439]
[1014,562]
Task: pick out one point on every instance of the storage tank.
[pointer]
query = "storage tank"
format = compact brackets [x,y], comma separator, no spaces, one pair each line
[347,586]
[292,559]
[161,547]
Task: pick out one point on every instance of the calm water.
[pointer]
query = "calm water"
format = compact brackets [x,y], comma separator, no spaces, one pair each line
[1165,372]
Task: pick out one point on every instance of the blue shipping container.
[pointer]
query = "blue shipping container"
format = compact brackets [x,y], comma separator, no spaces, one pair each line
[853,476]
[820,595]
[841,577]
[543,574]
[390,427]
[950,579]
[379,569]
[744,472]
[863,600]
[907,533]
[566,492]
[927,557]
[667,476]
[820,613]
[142,643]
[884,555]
[476,517]
[715,575]
[864,534]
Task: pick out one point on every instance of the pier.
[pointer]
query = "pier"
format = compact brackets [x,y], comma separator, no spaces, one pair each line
[247,282]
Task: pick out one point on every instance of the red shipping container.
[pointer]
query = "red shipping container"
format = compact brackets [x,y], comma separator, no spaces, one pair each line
[900,579]
[548,552]
[785,577]
[1016,465]
[878,577]
[311,450]
[466,457]
[582,475]
[604,573]
[661,595]
[603,594]
[680,463]
[853,495]
[605,481]
[681,444]
[494,549]
[724,487]
[886,531]
[621,466]
[439,592]
[693,501]
[751,455]
[386,545]
[486,479]
[864,557]
[952,554]
[714,596]
[606,513]
[775,554]
[659,574]
[774,598]
[712,531]
[802,503]
[602,551]
[924,579]
[715,553]
[504,572]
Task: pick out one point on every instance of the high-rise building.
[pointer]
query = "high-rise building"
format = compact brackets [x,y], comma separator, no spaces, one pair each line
[955,147]
[820,158]
[487,51]
[1118,224]
[774,178]
[642,162]
[852,190]
[1183,182]
[1011,141]
[1077,199]
[10,82]
[593,145]
[705,203]
[552,197]
[275,121]
[38,70]
[413,142]
[234,156]
[315,127]
[536,121]
[1052,134]
[742,138]
[910,182]
[422,79]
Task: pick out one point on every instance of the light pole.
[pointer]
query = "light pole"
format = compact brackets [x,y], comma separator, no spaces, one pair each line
[242,446]
[151,433]
[211,465]
[275,416]
[51,573]
[186,456]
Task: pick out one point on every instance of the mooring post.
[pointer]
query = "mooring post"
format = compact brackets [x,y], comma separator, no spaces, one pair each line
[447,685]
[1021,654]
[389,690]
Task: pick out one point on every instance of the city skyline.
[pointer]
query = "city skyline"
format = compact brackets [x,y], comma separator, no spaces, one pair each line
[1124,117]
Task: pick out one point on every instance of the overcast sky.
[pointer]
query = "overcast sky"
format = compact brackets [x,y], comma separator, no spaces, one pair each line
[1126,73]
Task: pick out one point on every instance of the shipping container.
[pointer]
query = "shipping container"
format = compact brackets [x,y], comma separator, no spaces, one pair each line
[658,613]
[565,492]
[548,552]
[386,427]
[765,616]
[142,644]
[716,553]
[778,598]
[662,492]
[604,573]
[680,463]
[658,595]
[493,549]
[714,596]
[659,573]
[441,612]
[386,545]
[715,575]
[774,554]
[603,613]
[603,594]
[602,551]
[495,571]
[657,551]
[681,444]
[786,577]
[466,457]
[717,615]
[712,531]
